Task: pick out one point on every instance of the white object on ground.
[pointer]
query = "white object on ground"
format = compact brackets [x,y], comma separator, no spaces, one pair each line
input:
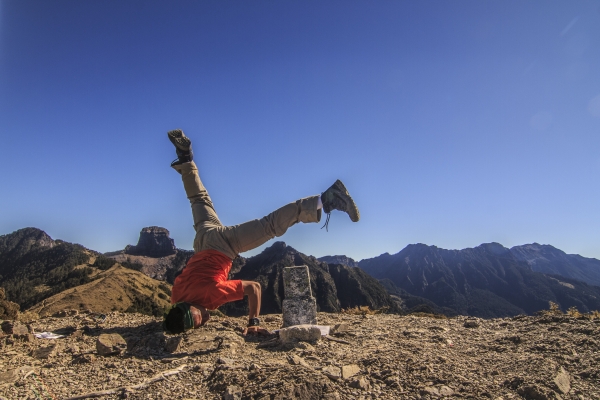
[48,335]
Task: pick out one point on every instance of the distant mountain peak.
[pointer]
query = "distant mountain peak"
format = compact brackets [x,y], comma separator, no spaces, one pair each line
[494,248]
[154,242]
[339,259]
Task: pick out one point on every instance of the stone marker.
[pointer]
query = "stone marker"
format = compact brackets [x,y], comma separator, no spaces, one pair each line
[299,306]
[110,344]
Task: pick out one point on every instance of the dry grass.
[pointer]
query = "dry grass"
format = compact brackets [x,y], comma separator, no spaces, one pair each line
[28,316]
[115,290]
[573,312]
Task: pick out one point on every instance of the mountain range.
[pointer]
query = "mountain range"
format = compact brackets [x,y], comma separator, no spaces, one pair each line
[489,280]
[486,281]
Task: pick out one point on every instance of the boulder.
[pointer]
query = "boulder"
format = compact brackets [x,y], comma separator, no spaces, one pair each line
[109,344]
[14,328]
[332,372]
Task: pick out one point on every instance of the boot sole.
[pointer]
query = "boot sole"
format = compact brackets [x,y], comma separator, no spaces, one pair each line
[179,140]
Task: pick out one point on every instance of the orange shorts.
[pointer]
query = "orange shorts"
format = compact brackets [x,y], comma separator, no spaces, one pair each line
[213,295]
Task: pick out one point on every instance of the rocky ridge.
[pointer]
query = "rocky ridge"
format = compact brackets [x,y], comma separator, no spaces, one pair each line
[383,356]
[550,260]
[344,260]
[486,281]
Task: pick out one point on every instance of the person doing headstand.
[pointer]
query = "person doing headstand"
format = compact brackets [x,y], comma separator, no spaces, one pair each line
[203,284]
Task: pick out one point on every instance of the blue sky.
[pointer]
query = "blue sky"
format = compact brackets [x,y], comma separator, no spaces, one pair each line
[452,123]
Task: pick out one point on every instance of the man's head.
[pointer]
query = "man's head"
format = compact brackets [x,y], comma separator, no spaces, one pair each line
[183,316]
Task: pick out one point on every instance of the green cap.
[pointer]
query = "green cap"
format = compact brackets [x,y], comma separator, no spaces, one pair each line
[188,320]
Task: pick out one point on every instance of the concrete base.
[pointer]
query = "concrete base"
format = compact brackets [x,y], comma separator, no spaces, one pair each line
[299,311]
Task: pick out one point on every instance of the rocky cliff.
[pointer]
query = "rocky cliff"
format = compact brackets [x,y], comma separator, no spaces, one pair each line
[154,242]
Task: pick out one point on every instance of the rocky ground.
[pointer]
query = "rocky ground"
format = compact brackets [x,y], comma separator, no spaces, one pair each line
[368,356]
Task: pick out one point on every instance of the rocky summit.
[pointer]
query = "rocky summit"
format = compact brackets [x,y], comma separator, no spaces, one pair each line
[154,241]
[365,356]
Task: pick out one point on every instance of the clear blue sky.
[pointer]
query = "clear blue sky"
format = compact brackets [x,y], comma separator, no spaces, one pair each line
[452,123]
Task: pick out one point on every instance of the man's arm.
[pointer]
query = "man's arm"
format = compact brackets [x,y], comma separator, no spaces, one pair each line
[253,291]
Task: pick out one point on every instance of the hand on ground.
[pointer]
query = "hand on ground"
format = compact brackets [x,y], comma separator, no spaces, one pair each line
[256,331]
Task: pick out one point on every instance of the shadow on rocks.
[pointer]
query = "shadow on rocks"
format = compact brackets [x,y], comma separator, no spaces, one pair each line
[148,341]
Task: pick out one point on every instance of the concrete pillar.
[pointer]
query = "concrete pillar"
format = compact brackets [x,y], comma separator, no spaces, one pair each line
[299,306]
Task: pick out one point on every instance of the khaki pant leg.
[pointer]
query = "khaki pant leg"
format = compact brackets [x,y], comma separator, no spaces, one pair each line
[232,240]
[203,211]
[251,234]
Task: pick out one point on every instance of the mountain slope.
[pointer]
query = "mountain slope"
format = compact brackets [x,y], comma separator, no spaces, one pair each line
[485,281]
[117,289]
[550,260]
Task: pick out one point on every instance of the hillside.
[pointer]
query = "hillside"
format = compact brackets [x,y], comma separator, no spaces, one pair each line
[486,281]
[117,289]
[33,266]
[381,356]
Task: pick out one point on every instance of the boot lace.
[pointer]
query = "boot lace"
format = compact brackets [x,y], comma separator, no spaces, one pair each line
[326,226]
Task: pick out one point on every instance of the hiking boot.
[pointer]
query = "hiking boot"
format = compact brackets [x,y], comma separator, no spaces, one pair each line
[183,146]
[338,198]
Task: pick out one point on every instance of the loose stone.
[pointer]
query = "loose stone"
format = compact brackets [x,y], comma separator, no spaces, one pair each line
[110,344]
[349,371]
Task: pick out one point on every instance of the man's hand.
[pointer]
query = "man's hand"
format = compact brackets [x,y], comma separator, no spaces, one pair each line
[256,331]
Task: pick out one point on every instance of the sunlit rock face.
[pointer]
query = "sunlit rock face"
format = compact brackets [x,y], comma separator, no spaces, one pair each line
[154,242]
